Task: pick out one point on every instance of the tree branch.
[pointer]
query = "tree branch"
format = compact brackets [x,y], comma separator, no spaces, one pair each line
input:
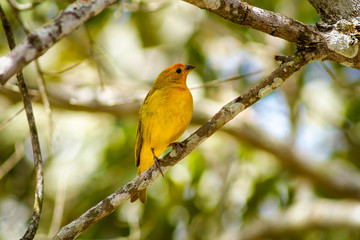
[39,180]
[332,11]
[38,42]
[226,113]
[342,47]
[336,43]
[322,175]
[275,24]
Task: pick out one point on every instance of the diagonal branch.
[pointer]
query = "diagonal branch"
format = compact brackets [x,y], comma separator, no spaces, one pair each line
[226,113]
[39,180]
[275,24]
[38,42]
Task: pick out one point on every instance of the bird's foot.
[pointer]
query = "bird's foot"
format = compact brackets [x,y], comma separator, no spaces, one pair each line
[177,146]
[156,161]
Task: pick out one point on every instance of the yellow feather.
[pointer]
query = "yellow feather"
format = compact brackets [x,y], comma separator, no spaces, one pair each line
[164,116]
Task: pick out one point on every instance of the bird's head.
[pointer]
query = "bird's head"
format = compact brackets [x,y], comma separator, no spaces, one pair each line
[173,75]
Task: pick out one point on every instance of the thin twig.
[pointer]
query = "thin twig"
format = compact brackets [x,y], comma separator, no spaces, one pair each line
[39,181]
[57,73]
[12,160]
[12,117]
[14,89]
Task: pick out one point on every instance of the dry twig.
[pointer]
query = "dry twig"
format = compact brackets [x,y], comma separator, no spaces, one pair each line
[39,188]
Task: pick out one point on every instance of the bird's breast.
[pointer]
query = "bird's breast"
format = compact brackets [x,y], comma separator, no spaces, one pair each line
[166,116]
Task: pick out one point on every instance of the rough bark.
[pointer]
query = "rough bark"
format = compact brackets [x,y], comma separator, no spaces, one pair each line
[332,11]
[338,43]
[275,24]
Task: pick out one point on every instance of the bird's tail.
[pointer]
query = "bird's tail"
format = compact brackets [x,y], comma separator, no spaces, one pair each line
[140,195]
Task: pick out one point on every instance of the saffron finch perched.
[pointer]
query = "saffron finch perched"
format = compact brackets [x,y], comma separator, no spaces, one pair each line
[164,116]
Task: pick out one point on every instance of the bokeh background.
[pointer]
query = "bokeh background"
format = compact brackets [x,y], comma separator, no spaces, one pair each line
[241,183]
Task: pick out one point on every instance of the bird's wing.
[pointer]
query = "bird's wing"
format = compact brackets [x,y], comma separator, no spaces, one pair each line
[139,133]
[138,145]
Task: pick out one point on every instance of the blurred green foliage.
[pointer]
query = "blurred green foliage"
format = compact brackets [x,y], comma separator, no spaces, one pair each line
[219,188]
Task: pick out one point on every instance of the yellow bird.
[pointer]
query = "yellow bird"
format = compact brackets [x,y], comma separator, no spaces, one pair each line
[164,116]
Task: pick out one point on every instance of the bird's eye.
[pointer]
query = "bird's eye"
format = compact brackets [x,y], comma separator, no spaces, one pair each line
[178,70]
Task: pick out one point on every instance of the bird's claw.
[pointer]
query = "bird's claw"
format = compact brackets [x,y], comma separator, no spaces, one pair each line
[156,161]
[178,146]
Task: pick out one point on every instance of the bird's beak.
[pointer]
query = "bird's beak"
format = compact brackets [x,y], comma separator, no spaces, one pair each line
[189,67]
